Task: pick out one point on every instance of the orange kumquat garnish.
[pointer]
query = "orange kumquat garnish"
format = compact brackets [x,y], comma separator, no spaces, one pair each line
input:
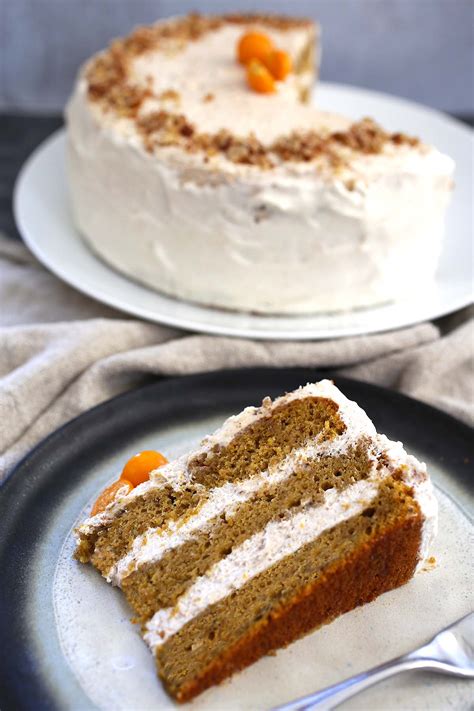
[108,495]
[259,78]
[253,45]
[138,468]
[278,63]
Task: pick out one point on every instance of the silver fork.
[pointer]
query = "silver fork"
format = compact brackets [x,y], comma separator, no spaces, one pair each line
[450,652]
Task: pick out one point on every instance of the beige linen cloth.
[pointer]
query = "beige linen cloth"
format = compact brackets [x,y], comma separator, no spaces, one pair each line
[62,353]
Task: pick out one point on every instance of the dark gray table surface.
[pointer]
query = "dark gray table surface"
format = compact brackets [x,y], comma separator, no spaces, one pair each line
[19,135]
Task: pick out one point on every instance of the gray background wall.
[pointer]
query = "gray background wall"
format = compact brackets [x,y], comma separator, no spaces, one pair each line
[419,49]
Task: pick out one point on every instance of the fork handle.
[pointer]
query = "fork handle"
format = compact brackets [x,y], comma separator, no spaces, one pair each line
[331,696]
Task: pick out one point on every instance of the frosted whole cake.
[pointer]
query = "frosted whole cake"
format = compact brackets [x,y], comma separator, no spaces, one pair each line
[287,516]
[215,180]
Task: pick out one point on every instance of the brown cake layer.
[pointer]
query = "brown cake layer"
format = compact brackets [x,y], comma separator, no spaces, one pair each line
[345,567]
[268,441]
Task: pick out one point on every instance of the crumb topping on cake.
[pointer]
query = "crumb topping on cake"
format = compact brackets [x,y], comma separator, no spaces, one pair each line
[169,95]
[163,128]
[193,26]
[110,85]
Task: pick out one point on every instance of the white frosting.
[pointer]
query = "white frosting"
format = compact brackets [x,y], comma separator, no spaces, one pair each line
[216,71]
[175,473]
[426,500]
[277,540]
[416,476]
[293,239]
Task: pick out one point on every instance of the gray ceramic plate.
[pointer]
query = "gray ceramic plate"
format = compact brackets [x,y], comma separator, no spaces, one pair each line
[66,637]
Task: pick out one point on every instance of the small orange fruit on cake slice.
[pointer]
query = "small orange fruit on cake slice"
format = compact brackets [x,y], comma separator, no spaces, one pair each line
[259,78]
[253,45]
[138,468]
[278,62]
[108,495]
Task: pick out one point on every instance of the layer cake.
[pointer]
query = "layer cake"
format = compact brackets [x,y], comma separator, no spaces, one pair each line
[185,179]
[289,515]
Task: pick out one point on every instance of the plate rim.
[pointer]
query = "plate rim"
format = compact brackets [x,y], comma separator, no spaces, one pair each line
[408,103]
[14,693]
[112,300]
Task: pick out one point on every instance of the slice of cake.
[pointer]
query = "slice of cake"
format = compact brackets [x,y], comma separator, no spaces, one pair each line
[287,516]
[214,182]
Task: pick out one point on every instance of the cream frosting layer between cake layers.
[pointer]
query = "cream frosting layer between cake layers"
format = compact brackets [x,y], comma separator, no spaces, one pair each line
[155,542]
[294,238]
[152,545]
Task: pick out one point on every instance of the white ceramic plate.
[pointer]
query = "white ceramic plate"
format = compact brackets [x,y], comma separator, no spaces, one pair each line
[44,219]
